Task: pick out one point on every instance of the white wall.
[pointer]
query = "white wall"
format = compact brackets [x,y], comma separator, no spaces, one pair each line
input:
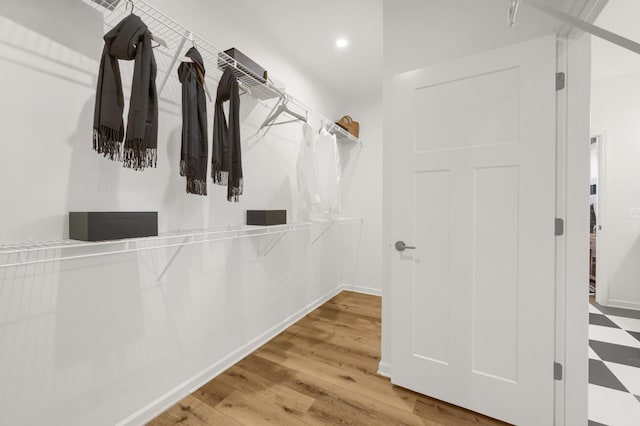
[362,189]
[615,108]
[107,338]
[48,84]
[111,339]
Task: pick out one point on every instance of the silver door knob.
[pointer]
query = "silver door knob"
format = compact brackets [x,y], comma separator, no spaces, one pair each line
[401,246]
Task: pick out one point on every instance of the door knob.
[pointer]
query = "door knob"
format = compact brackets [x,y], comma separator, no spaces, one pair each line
[401,246]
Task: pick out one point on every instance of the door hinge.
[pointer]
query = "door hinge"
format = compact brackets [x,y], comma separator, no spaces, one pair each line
[561,80]
[559,227]
[557,371]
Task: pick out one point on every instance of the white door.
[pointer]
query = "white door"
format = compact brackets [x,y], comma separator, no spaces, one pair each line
[473,189]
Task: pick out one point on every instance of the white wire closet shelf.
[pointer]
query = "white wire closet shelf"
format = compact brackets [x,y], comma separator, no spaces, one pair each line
[178,39]
[31,253]
[52,251]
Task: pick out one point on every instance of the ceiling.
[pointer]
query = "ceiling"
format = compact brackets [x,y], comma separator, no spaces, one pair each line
[306,32]
[609,60]
[413,28]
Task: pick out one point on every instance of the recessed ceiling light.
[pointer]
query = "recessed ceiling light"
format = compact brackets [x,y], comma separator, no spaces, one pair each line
[342,42]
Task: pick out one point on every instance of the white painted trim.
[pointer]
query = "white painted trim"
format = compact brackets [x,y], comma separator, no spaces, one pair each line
[616,303]
[575,309]
[561,241]
[159,405]
[602,242]
[362,289]
[384,369]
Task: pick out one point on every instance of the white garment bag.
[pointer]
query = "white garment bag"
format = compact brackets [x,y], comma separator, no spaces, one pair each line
[319,172]
[306,167]
[328,169]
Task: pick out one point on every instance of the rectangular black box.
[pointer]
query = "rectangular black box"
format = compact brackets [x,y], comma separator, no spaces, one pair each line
[245,63]
[102,226]
[266,217]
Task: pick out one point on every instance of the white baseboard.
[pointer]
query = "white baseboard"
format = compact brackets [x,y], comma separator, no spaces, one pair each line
[361,289]
[158,406]
[614,303]
[384,369]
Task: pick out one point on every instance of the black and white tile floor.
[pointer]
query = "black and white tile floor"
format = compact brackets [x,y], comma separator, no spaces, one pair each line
[614,366]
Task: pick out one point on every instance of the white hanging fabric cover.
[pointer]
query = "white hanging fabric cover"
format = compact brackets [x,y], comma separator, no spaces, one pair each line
[328,169]
[306,168]
[318,170]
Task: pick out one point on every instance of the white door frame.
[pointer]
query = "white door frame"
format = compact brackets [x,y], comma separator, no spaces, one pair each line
[602,281]
[572,248]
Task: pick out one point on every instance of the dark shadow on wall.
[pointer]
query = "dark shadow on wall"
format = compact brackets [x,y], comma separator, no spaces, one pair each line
[71,23]
[71,45]
[6,58]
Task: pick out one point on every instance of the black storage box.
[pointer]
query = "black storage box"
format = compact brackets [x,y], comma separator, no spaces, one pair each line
[102,226]
[266,217]
[245,63]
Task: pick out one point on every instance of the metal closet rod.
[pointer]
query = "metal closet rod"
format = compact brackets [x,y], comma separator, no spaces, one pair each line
[324,121]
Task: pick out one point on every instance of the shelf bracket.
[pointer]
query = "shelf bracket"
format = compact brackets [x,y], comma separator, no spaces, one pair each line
[173,257]
[174,59]
[324,231]
[275,242]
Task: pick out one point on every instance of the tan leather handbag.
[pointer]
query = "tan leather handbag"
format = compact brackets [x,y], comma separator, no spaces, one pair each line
[349,125]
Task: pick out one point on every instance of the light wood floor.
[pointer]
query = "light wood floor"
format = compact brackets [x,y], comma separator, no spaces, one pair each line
[321,370]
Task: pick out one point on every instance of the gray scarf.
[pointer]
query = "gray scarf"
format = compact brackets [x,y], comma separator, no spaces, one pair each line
[226,161]
[129,40]
[193,156]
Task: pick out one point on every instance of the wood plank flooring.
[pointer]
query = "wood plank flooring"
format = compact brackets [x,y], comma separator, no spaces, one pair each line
[321,370]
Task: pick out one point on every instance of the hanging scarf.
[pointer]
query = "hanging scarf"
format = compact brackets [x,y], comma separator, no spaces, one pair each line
[193,156]
[129,40]
[226,161]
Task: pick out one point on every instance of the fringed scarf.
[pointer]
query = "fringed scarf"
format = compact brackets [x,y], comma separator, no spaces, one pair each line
[129,40]
[193,156]
[226,160]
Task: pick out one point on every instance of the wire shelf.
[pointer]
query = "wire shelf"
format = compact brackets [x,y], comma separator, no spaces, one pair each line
[30,253]
[178,37]
[52,251]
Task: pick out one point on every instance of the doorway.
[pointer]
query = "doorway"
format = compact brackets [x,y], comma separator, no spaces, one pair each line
[594,192]
[473,172]
[614,316]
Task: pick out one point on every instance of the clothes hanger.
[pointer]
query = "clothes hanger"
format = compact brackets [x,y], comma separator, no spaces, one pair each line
[327,126]
[282,107]
[245,89]
[154,37]
[513,12]
[200,74]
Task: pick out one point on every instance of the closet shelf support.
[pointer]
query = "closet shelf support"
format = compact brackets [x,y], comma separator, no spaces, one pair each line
[174,60]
